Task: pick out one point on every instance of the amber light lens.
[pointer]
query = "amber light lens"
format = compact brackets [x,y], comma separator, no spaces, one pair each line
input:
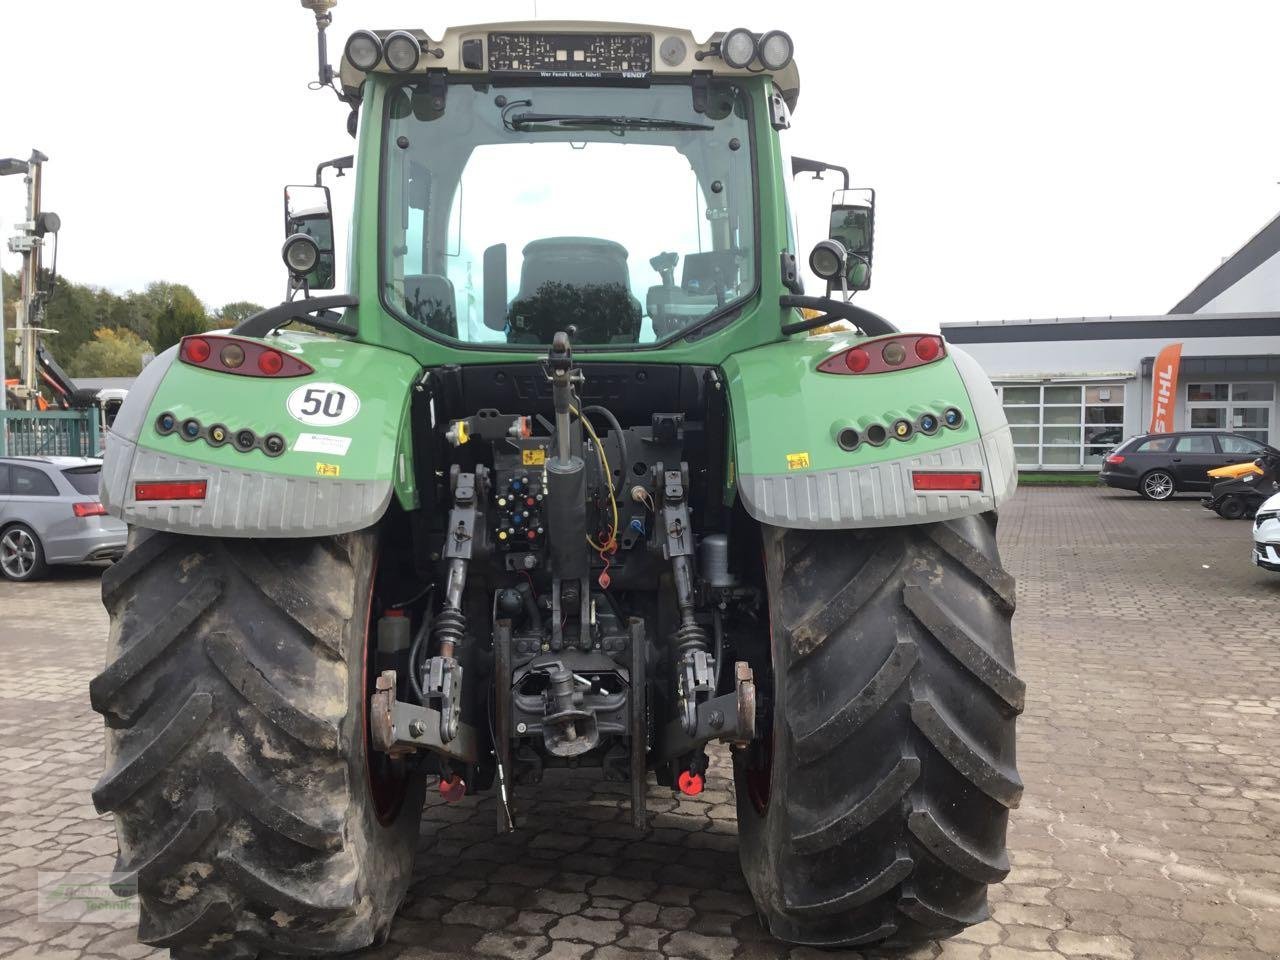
[857,359]
[894,353]
[232,355]
[196,349]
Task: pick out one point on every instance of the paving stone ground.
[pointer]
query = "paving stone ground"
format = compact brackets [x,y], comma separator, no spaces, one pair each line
[1150,827]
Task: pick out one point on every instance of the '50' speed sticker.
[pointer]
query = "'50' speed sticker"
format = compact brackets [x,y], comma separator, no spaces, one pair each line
[323,404]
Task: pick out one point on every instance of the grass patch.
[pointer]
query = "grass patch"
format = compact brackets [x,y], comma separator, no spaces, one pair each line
[1043,478]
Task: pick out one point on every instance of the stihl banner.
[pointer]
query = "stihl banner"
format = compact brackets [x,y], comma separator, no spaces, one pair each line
[1164,388]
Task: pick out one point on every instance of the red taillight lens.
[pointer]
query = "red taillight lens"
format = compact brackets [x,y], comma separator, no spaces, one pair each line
[171,490]
[195,349]
[1115,458]
[245,358]
[270,362]
[929,348]
[899,351]
[965,480]
[89,508]
[857,359]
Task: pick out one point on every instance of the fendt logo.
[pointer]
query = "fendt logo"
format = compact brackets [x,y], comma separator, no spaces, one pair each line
[1164,385]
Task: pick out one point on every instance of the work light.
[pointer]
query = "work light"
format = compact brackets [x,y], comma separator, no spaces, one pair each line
[364,50]
[828,259]
[401,51]
[738,48]
[301,254]
[776,50]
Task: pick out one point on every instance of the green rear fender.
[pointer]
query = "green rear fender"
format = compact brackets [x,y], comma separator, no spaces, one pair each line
[791,470]
[346,435]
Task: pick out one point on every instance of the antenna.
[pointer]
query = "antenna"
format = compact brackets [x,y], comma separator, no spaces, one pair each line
[321,9]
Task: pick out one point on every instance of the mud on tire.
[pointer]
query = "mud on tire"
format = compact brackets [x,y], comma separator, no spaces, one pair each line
[878,808]
[236,749]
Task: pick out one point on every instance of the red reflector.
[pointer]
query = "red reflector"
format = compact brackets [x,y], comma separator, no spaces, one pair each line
[89,508]
[196,349]
[170,490]
[270,362]
[1116,458]
[947,481]
[857,359]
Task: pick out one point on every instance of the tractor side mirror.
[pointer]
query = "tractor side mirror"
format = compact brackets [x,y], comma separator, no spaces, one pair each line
[853,225]
[308,212]
[495,286]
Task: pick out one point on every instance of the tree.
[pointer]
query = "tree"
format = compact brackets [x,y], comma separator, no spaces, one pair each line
[232,313]
[180,314]
[113,352]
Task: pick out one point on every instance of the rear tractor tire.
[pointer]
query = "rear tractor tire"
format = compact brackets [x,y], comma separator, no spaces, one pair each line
[249,813]
[876,808]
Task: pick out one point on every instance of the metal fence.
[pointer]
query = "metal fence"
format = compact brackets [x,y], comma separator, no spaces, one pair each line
[61,433]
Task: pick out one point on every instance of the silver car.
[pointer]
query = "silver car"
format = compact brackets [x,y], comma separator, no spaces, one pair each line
[50,513]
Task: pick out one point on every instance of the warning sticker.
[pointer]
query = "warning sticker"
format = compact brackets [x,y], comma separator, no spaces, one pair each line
[797,461]
[533,458]
[328,470]
[322,443]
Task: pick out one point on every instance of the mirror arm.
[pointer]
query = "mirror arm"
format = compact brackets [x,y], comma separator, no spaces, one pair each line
[316,311]
[816,167]
[872,324]
[338,163]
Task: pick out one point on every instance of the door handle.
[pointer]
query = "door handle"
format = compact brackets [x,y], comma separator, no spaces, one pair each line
[1177,459]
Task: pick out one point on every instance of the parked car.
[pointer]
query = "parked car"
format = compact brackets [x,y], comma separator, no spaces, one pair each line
[1158,465]
[50,513]
[1266,535]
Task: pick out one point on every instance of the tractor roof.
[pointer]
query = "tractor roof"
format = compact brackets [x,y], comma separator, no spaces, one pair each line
[495,48]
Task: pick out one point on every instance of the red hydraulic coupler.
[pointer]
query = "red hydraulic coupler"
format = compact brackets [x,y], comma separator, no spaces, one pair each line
[690,783]
[454,788]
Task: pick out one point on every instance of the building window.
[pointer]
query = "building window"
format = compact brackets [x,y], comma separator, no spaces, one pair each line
[1064,425]
[1243,408]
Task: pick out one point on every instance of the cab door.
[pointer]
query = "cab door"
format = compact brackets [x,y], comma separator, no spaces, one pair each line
[1194,455]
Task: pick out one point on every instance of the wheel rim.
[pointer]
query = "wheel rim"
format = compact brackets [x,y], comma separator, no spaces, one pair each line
[1158,486]
[17,553]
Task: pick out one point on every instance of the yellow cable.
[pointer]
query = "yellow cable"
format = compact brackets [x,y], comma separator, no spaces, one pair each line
[608,478]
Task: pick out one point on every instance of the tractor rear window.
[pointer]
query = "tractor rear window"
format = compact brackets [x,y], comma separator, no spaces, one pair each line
[619,214]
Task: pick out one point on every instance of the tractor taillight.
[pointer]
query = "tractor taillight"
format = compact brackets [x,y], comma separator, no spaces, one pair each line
[171,490]
[245,358]
[899,351]
[940,480]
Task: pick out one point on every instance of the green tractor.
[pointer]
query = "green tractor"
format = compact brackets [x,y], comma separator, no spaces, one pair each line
[519,500]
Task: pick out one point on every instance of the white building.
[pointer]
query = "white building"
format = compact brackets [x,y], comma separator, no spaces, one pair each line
[1073,388]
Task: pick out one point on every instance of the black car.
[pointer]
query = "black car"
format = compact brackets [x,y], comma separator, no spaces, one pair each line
[1158,465]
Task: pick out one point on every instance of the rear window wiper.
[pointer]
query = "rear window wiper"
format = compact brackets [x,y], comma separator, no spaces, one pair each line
[523,121]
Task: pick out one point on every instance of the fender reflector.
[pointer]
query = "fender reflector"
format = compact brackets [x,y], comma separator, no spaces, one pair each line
[171,490]
[967,480]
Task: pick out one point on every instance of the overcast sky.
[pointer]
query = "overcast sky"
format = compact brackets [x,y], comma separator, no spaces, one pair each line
[1031,159]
